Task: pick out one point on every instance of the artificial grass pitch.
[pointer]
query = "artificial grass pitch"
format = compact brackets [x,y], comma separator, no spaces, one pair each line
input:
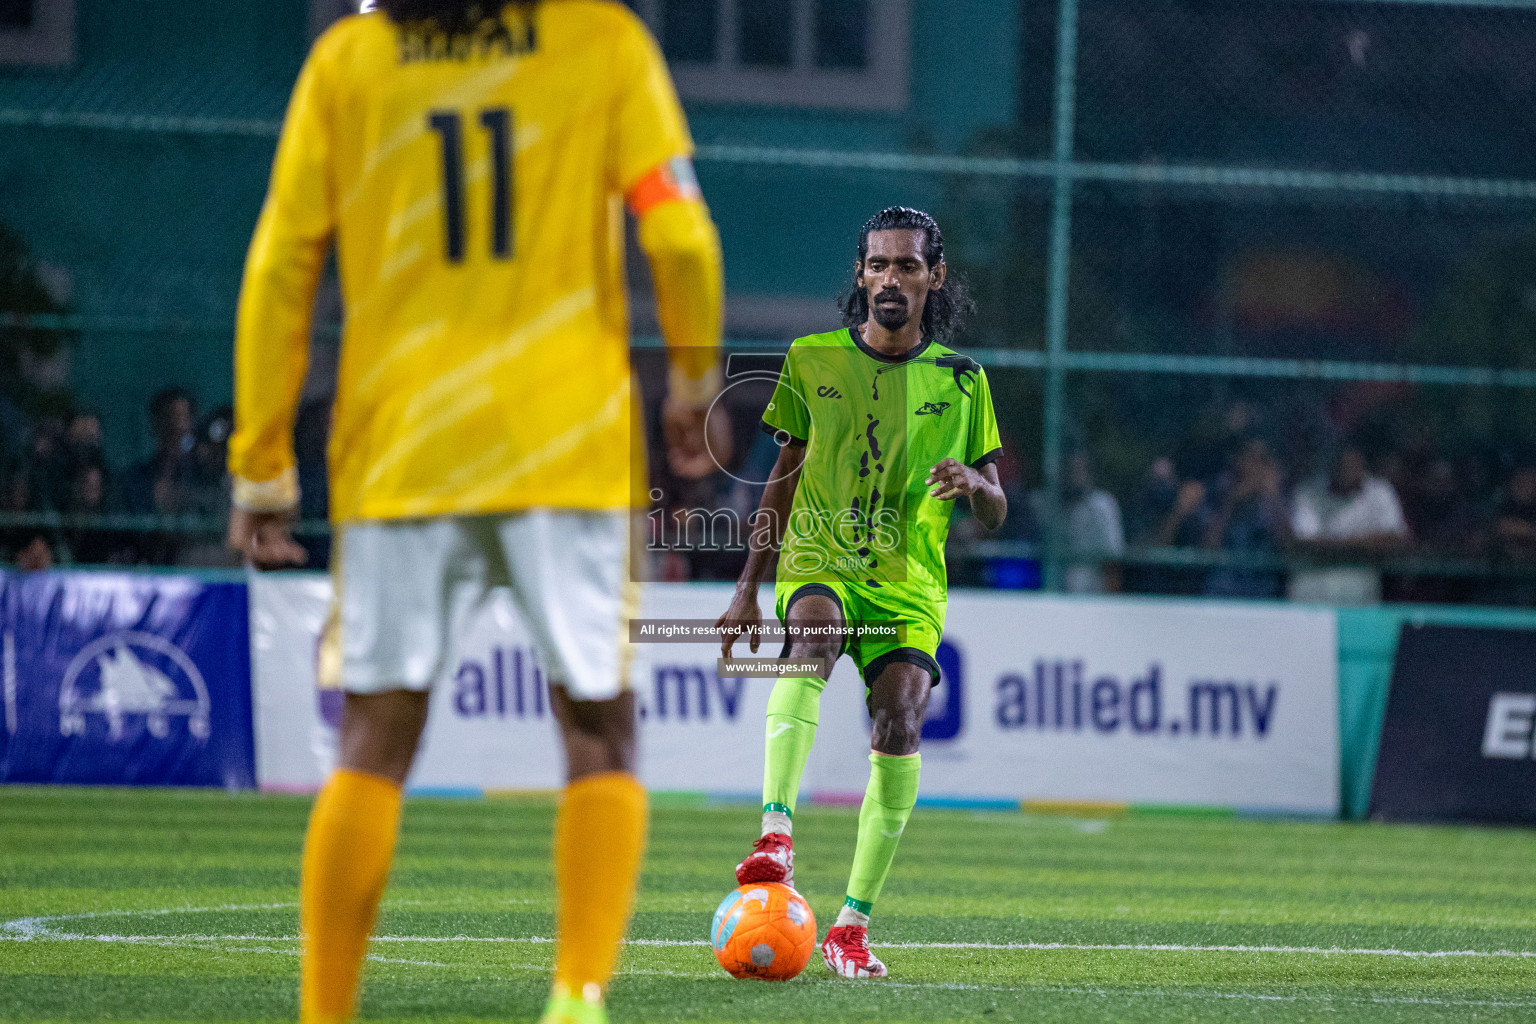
[165,905]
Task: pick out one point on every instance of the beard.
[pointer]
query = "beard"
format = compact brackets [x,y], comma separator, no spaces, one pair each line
[892,317]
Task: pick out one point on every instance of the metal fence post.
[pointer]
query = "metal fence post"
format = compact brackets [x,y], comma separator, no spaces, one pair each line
[1059,260]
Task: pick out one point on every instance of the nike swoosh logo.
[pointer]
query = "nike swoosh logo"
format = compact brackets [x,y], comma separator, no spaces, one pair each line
[780,729]
[894,835]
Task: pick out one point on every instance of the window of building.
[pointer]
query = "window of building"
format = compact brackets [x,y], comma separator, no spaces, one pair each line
[842,33]
[765,34]
[37,32]
[15,15]
[809,53]
[688,29]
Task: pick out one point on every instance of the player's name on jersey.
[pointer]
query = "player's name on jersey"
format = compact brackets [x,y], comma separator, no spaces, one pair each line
[693,631]
[511,36]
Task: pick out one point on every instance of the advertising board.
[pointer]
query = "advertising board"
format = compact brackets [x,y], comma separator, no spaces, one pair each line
[1457,744]
[1054,699]
[119,679]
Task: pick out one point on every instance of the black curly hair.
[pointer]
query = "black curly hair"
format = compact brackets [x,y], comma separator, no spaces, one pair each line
[947,308]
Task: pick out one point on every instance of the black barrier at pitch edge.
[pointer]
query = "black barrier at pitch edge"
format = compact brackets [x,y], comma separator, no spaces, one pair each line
[1457,743]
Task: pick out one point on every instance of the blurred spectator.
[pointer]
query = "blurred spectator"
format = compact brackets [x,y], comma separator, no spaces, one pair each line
[1512,536]
[27,547]
[15,488]
[1245,513]
[1474,473]
[1447,504]
[1167,510]
[1165,513]
[95,545]
[1022,523]
[88,491]
[705,508]
[1216,440]
[1091,523]
[1514,525]
[210,453]
[1444,521]
[207,493]
[82,441]
[47,465]
[1349,515]
[164,483]
[35,557]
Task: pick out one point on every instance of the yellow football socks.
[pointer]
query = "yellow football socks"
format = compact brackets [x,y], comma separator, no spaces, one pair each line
[599,838]
[347,852]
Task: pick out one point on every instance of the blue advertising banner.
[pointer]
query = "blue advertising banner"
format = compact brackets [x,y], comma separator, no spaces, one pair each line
[119,679]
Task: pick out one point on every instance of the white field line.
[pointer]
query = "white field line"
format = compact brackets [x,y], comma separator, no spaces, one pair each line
[36,929]
[48,935]
[1157,947]
[28,927]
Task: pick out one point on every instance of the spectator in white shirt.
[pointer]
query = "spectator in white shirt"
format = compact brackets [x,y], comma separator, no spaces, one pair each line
[1092,525]
[1351,515]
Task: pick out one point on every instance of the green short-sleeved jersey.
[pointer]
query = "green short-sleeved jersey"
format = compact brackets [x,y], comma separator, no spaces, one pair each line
[874,426]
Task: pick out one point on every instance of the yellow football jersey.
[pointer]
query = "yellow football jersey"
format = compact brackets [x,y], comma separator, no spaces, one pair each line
[473,189]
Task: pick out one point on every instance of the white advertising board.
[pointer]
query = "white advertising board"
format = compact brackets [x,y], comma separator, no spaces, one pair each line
[1142,702]
[1112,700]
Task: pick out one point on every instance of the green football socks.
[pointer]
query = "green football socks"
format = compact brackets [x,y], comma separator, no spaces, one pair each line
[564,1008]
[888,803]
[794,710]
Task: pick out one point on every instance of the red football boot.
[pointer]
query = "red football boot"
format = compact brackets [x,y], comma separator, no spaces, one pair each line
[772,860]
[846,951]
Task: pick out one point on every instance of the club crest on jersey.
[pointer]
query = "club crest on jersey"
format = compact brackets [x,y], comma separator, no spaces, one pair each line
[933,408]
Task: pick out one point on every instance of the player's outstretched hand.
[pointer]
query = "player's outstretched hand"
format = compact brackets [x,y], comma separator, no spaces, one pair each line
[951,479]
[743,616]
[265,539]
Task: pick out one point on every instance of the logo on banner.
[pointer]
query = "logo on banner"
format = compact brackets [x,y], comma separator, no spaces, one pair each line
[133,675]
[946,705]
[1507,733]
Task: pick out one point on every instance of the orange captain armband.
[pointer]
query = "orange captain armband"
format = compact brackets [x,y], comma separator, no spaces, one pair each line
[668,181]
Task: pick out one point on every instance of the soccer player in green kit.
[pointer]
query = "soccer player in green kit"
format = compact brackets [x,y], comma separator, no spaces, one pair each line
[881,427]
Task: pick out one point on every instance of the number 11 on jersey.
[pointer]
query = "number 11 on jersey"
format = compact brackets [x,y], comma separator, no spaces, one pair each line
[497,122]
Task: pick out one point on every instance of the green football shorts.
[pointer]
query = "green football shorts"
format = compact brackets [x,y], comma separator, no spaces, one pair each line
[891,602]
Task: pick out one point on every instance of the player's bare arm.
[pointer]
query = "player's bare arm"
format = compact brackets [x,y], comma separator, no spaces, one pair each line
[766,533]
[951,479]
[265,538]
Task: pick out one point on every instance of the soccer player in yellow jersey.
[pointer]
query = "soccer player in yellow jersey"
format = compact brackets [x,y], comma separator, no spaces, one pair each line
[470,160]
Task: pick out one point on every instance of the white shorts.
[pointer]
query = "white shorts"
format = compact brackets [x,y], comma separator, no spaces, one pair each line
[405,591]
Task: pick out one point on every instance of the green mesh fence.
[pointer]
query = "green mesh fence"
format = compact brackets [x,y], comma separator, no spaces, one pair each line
[1200,225]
